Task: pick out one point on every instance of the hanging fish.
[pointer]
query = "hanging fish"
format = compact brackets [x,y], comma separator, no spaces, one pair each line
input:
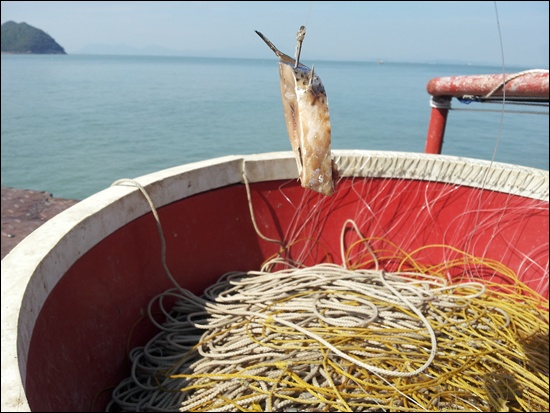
[305,106]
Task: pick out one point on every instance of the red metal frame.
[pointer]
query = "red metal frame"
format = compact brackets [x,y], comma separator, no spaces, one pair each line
[523,86]
[436,128]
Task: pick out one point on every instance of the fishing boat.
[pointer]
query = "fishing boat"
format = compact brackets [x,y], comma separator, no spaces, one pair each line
[75,291]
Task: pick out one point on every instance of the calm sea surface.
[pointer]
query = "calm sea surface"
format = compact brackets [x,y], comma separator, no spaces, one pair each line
[72,125]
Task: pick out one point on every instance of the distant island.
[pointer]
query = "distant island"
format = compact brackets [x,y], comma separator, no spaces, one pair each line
[22,38]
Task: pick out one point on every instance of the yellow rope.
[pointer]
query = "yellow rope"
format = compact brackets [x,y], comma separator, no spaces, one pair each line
[478,334]
[350,338]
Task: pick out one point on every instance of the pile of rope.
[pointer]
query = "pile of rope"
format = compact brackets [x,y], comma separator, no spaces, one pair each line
[351,337]
[328,338]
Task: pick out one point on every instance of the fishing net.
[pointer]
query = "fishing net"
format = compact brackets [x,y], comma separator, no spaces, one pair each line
[432,294]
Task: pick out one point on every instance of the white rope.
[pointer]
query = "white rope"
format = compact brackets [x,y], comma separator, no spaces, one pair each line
[250,300]
[249,197]
[251,329]
[511,77]
[440,102]
[261,293]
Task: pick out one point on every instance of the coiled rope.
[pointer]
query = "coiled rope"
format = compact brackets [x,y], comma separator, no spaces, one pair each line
[347,337]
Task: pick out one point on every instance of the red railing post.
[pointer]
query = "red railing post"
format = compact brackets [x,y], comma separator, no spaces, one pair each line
[438,119]
[527,86]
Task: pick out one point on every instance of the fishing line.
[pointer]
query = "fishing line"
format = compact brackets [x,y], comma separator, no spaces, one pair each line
[309,14]
[501,122]
[522,112]
[501,43]
[387,329]
[344,338]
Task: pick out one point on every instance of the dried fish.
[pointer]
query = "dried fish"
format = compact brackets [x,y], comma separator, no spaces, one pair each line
[305,106]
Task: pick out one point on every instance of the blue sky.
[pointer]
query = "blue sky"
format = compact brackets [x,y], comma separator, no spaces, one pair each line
[413,31]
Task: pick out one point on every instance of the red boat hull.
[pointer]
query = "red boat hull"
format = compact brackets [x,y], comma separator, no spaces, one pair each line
[97,310]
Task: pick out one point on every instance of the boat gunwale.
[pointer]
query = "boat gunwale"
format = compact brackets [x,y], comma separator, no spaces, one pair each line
[33,268]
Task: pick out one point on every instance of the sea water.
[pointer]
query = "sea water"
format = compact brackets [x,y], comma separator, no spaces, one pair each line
[73,124]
